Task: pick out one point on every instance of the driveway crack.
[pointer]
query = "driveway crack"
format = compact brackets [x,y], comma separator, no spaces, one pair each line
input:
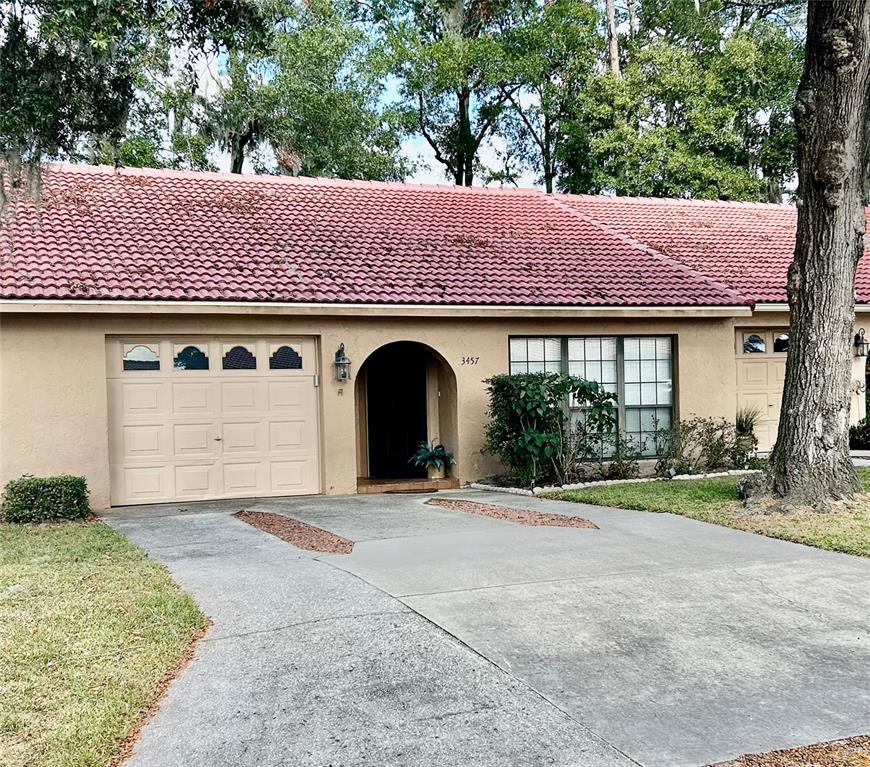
[311,622]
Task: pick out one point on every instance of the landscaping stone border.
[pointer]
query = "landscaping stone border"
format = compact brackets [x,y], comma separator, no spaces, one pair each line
[608,482]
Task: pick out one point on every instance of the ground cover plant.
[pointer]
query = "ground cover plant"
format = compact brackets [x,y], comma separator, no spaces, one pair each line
[89,628]
[845,528]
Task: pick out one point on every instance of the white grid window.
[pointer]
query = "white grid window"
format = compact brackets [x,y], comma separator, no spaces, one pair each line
[536,355]
[649,389]
[594,359]
[638,369]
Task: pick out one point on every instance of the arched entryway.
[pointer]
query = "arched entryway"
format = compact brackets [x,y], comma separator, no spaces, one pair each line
[405,395]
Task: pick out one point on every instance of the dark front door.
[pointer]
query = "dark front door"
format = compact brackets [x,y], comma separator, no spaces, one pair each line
[396,391]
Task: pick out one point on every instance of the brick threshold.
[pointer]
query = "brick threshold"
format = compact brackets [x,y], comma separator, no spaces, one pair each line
[367,486]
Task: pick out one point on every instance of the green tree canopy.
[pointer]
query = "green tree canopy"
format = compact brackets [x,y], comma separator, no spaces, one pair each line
[69,70]
[455,73]
[702,109]
[314,99]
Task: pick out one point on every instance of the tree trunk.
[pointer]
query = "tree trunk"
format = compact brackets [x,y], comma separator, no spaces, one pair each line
[238,143]
[465,149]
[612,40]
[547,155]
[810,462]
[632,17]
[772,189]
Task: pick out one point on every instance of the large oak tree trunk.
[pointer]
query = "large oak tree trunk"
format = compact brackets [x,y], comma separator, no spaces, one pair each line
[810,462]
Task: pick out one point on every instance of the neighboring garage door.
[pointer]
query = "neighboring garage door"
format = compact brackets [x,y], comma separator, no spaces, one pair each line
[200,418]
[760,374]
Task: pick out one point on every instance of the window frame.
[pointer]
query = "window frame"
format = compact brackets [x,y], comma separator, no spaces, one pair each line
[621,407]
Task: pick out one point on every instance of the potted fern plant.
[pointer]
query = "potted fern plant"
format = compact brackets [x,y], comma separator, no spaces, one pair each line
[436,459]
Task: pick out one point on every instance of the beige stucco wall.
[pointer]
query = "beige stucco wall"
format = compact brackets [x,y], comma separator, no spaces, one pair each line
[53,378]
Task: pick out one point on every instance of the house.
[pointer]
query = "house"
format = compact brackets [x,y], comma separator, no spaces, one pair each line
[177,336]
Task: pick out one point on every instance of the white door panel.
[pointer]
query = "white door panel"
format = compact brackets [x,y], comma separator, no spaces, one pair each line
[760,377]
[181,431]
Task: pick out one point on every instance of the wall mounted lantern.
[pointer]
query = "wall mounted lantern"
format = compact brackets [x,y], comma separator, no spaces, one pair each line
[342,365]
[861,344]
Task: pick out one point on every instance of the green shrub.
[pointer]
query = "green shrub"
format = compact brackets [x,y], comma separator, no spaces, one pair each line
[697,445]
[530,427]
[625,461]
[859,435]
[39,499]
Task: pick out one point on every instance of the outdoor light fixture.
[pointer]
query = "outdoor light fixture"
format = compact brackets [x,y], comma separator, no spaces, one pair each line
[342,365]
[861,344]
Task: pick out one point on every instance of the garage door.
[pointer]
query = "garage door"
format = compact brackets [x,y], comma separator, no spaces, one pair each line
[201,418]
[760,375]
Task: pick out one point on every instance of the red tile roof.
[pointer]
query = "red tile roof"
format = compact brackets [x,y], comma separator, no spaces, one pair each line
[746,245]
[169,235]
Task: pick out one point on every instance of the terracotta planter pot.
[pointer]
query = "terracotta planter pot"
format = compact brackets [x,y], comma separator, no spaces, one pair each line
[436,473]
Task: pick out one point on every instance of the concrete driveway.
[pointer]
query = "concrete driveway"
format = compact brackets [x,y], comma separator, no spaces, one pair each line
[451,639]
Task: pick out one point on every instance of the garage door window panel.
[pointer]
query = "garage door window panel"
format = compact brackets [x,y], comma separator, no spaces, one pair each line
[191,357]
[285,357]
[754,343]
[239,357]
[141,357]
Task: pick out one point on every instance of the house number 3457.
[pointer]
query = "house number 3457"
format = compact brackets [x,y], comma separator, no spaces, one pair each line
[470,360]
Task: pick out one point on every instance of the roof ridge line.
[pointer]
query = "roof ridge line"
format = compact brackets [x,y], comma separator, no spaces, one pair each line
[264,178]
[638,245]
[678,201]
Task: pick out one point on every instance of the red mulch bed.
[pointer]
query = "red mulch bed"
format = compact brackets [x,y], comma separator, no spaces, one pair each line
[521,516]
[298,533]
[851,752]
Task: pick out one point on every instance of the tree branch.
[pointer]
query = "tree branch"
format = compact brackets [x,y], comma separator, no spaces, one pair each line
[535,136]
[431,141]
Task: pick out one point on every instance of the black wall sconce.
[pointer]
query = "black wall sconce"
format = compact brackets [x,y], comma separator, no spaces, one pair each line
[342,365]
[861,344]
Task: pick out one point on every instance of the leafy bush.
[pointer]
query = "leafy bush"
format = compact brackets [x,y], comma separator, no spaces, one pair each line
[39,499]
[624,464]
[699,445]
[859,435]
[530,427]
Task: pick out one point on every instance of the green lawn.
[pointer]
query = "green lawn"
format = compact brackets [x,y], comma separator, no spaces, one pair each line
[88,626]
[715,500]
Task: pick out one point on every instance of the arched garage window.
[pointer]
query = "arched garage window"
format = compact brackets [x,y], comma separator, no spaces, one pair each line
[239,358]
[285,358]
[141,357]
[191,358]
[754,344]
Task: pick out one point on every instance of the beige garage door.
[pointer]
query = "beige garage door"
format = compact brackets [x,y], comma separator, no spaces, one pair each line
[760,375]
[200,418]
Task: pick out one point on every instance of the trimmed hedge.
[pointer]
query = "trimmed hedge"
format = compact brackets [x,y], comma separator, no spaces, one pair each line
[40,499]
